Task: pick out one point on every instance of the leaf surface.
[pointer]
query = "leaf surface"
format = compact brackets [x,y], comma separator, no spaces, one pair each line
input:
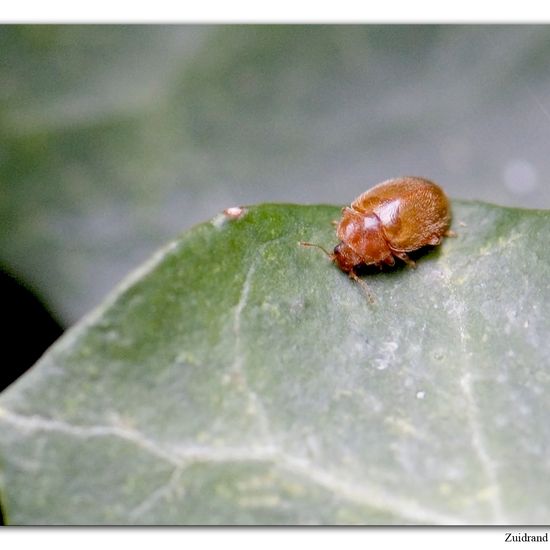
[239,378]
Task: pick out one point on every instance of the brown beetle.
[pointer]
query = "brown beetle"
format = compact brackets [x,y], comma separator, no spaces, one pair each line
[388,221]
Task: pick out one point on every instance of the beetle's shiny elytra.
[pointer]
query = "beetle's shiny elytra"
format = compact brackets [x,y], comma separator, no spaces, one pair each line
[388,221]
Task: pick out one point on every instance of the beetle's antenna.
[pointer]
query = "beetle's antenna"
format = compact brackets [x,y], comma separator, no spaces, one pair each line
[312,245]
[364,286]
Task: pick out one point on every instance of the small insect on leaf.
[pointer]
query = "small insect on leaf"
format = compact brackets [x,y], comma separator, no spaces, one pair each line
[388,221]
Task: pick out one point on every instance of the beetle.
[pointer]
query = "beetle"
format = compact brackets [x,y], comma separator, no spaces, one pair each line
[388,221]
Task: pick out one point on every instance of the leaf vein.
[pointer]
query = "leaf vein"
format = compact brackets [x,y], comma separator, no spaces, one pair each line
[472,410]
[363,494]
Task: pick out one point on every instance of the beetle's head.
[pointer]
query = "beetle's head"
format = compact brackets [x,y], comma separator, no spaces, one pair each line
[345,257]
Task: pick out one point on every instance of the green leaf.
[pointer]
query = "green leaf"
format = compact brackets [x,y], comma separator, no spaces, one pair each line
[239,378]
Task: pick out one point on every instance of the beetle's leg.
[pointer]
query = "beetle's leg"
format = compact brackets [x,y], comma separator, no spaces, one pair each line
[404,257]
[334,222]
[450,233]
[434,241]
[388,261]
[364,286]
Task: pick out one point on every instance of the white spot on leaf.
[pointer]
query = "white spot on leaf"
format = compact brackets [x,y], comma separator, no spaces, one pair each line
[386,355]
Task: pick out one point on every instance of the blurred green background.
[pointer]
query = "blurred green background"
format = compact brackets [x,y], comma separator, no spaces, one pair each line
[114,139]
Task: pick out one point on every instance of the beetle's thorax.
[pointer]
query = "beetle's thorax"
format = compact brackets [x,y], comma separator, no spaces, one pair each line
[362,238]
